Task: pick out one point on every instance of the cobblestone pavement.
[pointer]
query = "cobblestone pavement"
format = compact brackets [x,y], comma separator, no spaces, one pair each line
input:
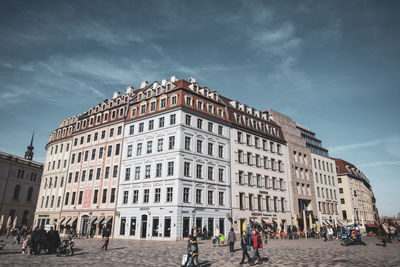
[155,253]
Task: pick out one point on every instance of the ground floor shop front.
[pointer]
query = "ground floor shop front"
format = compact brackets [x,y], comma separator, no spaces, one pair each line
[46,220]
[84,223]
[169,223]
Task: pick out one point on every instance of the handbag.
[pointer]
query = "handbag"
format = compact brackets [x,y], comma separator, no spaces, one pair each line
[184,259]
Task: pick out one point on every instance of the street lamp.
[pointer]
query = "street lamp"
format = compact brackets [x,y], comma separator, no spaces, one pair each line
[193,215]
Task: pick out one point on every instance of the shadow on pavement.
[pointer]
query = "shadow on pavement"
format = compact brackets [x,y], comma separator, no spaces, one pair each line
[205,264]
[116,248]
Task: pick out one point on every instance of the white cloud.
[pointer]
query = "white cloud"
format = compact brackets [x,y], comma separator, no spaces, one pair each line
[356,145]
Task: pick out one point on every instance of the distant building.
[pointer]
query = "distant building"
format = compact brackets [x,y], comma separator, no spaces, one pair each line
[303,201]
[19,187]
[356,196]
[325,179]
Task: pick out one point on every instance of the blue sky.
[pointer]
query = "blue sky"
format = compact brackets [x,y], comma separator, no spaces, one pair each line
[330,65]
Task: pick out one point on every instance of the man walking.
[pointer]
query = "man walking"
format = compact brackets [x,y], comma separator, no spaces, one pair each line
[106,238]
[231,240]
[257,244]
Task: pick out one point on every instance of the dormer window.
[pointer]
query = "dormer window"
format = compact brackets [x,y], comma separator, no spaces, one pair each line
[140,96]
[118,101]
[84,124]
[98,119]
[169,87]
[91,121]
[106,116]
[149,93]
[246,120]
[121,112]
[78,126]
[159,90]
[143,109]
[163,103]
[255,124]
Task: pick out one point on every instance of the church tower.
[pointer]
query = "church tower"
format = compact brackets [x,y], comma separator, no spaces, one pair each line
[29,152]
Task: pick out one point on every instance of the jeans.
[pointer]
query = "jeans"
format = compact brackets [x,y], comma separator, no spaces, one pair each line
[192,260]
[232,246]
[244,254]
[256,255]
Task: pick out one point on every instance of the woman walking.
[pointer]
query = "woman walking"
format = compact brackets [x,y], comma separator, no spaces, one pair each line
[245,244]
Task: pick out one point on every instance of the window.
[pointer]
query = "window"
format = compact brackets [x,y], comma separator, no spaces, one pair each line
[142,109]
[149,147]
[240,156]
[129,152]
[341,190]
[101,152]
[82,139]
[199,169]
[158,169]
[86,155]
[199,123]
[151,125]
[30,193]
[210,126]
[125,197]
[241,201]
[66,199]
[220,130]
[187,169]
[137,172]
[283,208]
[249,178]
[112,197]
[199,105]
[115,171]
[241,180]
[248,139]
[117,149]
[72,199]
[133,112]
[141,127]
[153,106]
[17,189]
[221,198]
[131,129]
[147,171]
[174,100]
[210,197]
[170,168]
[139,149]
[248,158]
[163,103]
[250,201]
[342,201]
[210,173]
[109,151]
[76,177]
[188,120]
[210,109]
[171,142]
[135,197]
[79,157]
[93,154]
[210,149]
[221,175]
[160,144]
[169,194]
[157,195]
[339,180]
[111,132]
[221,151]
[186,191]
[198,196]
[161,122]
[239,137]
[172,119]
[80,197]
[98,173]
[83,176]
[90,174]
[146,196]
[187,143]
[188,101]
[127,174]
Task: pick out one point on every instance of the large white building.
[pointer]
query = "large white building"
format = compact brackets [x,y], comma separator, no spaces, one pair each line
[175,163]
[260,189]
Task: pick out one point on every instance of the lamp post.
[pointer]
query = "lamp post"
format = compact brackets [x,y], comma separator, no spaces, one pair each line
[193,216]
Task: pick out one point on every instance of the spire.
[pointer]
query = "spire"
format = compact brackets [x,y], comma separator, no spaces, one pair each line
[29,152]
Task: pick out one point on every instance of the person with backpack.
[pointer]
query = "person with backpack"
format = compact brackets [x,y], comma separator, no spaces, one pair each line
[257,244]
[194,253]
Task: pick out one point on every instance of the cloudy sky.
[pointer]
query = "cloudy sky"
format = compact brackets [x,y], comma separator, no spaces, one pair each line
[330,65]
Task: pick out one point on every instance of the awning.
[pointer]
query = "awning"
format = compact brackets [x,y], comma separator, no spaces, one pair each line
[93,219]
[109,218]
[65,222]
[267,221]
[61,221]
[99,220]
[70,222]
[327,222]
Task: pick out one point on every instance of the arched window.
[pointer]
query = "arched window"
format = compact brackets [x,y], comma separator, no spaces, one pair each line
[16,192]
[30,192]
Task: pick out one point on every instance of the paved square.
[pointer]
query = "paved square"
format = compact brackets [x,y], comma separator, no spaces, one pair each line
[154,253]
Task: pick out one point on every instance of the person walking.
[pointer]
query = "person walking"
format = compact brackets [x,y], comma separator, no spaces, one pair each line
[205,233]
[35,240]
[194,254]
[382,234]
[106,238]
[324,232]
[245,244]
[231,240]
[217,235]
[53,240]
[257,245]
[189,243]
[330,233]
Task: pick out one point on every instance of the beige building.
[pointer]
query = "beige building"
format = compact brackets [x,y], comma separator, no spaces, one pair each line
[52,187]
[356,196]
[91,187]
[19,187]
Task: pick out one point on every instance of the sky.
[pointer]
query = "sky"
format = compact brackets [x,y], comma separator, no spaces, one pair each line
[332,66]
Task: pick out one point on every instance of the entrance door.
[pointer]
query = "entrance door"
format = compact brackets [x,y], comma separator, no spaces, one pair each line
[222,225]
[143,231]
[167,227]
[186,226]
[199,222]
[210,227]
[85,225]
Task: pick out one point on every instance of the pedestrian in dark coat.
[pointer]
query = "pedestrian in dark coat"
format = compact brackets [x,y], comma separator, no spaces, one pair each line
[382,235]
[231,240]
[106,238]
[53,240]
[245,244]
[35,240]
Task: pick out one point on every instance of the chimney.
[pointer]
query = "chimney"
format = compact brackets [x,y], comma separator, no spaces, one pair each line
[129,89]
[144,84]
[174,79]
[116,94]
[192,80]
[155,84]
[164,82]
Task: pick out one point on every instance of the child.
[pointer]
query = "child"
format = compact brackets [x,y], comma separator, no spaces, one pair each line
[24,245]
[222,239]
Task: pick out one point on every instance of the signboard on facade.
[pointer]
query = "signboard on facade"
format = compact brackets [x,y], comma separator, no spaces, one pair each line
[87,197]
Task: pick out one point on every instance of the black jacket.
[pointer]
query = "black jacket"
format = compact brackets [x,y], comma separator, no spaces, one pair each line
[244,242]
